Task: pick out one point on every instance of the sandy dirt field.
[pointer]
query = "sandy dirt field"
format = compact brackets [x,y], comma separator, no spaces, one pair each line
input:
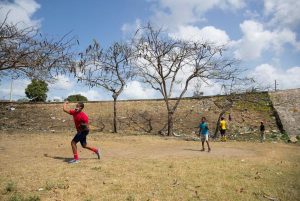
[34,166]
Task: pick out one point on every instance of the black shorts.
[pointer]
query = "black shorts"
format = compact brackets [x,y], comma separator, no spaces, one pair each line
[222,131]
[81,137]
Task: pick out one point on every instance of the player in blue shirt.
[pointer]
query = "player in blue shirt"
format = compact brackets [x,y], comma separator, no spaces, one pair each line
[203,132]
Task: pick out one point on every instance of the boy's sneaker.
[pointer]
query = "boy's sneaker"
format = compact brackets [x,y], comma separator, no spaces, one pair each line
[73,161]
[98,153]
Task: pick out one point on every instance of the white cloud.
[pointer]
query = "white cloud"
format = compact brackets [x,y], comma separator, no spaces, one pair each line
[286,79]
[172,13]
[208,89]
[135,90]
[92,95]
[284,13]
[62,83]
[20,11]
[57,98]
[18,88]
[256,39]
[128,29]
[208,33]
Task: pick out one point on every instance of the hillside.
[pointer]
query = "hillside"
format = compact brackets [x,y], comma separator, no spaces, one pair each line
[143,116]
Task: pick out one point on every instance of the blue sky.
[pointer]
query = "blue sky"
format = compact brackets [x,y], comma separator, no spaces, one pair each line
[263,34]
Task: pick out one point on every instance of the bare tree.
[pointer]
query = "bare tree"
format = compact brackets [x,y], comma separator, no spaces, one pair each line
[166,63]
[26,52]
[107,68]
[139,120]
[197,90]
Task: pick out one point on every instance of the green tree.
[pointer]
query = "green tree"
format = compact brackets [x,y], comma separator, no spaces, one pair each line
[77,97]
[37,90]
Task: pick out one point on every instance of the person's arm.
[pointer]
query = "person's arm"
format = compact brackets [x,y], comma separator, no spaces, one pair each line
[65,107]
[199,129]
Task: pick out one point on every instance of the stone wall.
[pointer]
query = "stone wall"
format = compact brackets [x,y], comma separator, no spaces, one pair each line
[141,116]
[287,105]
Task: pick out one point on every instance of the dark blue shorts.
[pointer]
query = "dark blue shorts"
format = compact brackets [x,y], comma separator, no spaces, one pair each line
[223,132]
[81,137]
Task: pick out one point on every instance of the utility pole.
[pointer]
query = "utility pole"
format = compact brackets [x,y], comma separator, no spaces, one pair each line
[11,89]
[276,84]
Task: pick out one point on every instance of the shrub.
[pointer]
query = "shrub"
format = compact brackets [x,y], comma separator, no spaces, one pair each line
[37,90]
[76,97]
[10,187]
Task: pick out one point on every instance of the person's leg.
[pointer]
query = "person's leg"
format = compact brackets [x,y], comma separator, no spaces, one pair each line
[206,139]
[202,146]
[222,135]
[202,142]
[74,148]
[84,144]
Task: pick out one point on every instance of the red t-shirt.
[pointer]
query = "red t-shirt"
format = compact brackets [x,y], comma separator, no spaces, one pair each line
[79,118]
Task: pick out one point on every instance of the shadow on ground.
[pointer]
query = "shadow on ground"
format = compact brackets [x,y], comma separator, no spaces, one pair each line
[64,159]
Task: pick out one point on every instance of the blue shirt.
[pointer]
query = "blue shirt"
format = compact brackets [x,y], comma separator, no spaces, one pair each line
[203,128]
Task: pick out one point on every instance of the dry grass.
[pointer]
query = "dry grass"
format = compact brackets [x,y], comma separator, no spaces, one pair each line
[147,168]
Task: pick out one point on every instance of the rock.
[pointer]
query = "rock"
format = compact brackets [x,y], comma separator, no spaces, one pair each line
[293,139]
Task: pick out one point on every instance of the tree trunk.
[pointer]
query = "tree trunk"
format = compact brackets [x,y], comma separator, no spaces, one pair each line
[170,123]
[115,115]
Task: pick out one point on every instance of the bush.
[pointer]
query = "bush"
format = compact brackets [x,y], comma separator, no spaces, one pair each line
[23,100]
[37,90]
[285,137]
[76,98]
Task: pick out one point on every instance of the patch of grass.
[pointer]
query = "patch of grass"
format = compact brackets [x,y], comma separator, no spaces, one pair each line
[130,198]
[10,187]
[18,197]
[55,185]
[49,186]
[33,198]
[285,137]
[96,168]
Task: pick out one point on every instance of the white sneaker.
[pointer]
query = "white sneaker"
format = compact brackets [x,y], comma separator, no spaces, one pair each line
[73,161]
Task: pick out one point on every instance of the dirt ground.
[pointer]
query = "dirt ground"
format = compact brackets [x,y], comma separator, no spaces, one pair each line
[146,168]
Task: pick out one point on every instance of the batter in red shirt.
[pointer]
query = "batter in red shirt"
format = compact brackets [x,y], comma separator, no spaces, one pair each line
[81,121]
